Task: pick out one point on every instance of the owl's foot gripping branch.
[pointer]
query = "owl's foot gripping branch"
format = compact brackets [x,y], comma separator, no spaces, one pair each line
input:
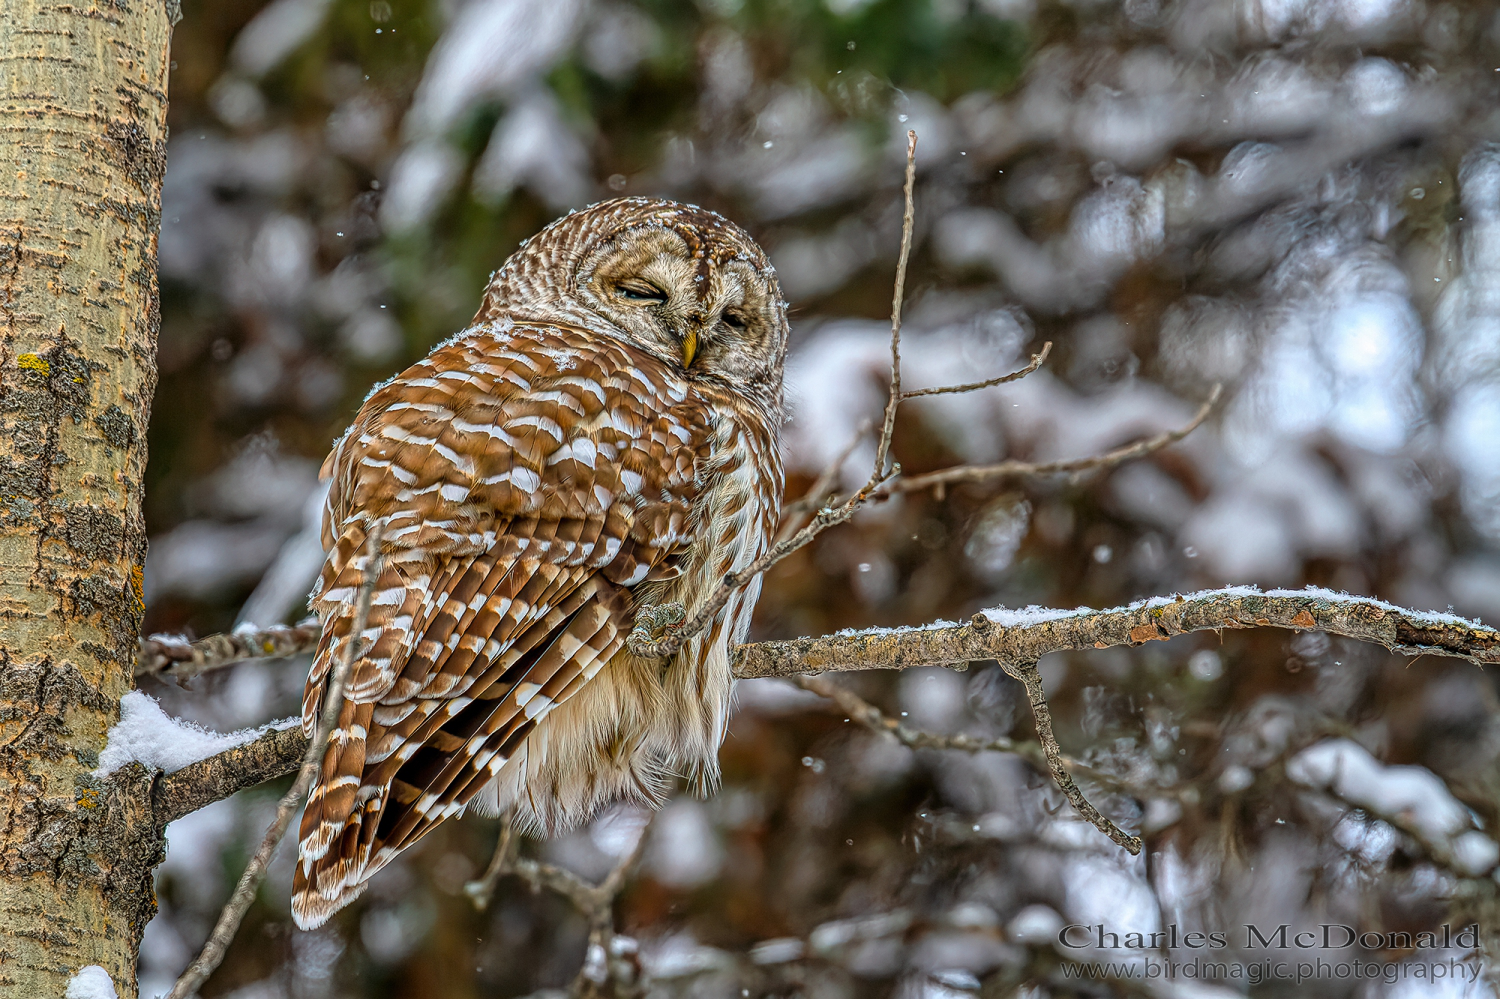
[1001,634]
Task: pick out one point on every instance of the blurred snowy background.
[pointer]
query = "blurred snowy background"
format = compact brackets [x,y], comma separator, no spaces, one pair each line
[1298,198]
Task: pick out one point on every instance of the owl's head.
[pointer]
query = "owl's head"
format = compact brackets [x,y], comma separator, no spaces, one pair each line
[678,281]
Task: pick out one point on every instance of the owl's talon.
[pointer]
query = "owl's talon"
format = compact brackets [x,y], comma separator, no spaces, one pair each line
[653,623]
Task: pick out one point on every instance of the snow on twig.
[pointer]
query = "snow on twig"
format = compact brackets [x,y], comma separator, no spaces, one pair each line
[274,754]
[148,735]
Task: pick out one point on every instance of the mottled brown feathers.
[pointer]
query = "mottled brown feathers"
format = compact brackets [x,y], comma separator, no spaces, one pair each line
[537,478]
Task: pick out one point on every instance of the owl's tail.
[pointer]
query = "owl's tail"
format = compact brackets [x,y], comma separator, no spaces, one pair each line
[338,826]
[339,823]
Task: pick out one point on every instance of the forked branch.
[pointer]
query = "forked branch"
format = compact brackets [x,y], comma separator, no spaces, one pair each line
[594,902]
[862,711]
[1022,469]
[1044,753]
[651,643]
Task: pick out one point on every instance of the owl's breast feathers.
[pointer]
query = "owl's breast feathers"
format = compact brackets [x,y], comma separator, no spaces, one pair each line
[533,483]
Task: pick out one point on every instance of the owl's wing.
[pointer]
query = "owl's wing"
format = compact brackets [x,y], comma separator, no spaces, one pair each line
[523,485]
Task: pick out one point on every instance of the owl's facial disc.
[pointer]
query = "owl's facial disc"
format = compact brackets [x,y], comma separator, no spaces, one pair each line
[715,317]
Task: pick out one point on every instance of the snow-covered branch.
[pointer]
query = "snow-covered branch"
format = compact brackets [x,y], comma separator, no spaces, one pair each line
[1027,635]
[1013,637]
[274,754]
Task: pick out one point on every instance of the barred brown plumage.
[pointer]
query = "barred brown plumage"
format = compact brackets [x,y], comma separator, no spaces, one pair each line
[603,436]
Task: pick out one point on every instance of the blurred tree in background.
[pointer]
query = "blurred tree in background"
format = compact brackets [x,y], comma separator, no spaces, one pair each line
[1298,198]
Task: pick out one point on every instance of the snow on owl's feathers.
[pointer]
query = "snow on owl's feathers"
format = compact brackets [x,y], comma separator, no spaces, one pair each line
[603,436]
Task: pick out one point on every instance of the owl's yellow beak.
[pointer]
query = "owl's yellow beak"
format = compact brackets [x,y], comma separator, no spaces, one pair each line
[689,346]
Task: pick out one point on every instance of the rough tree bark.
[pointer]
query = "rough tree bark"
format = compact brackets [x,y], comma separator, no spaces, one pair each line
[83,108]
[82,154]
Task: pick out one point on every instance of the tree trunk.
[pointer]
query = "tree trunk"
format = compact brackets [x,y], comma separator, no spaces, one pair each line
[82,150]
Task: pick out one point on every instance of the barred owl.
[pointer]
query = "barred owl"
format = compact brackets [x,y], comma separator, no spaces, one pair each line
[602,437]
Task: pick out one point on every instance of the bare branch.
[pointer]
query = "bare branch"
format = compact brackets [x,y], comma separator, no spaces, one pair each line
[821,488]
[598,968]
[862,711]
[594,902]
[587,898]
[1020,469]
[1041,713]
[555,879]
[1036,362]
[1046,755]
[164,655]
[908,217]
[333,700]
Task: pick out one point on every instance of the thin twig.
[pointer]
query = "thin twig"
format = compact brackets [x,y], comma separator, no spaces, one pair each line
[594,902]
[614,882]
[822,487]
[872,718]
[1018,469]
[555,879]
[482,890]
[1037,360]
[898,296]
[1044,754]
[666,647]
[1041,713]
[585,897]
[597,967]
[169,655]
[333,701]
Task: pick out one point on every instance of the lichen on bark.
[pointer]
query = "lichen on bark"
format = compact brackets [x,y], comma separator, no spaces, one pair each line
[83,145]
